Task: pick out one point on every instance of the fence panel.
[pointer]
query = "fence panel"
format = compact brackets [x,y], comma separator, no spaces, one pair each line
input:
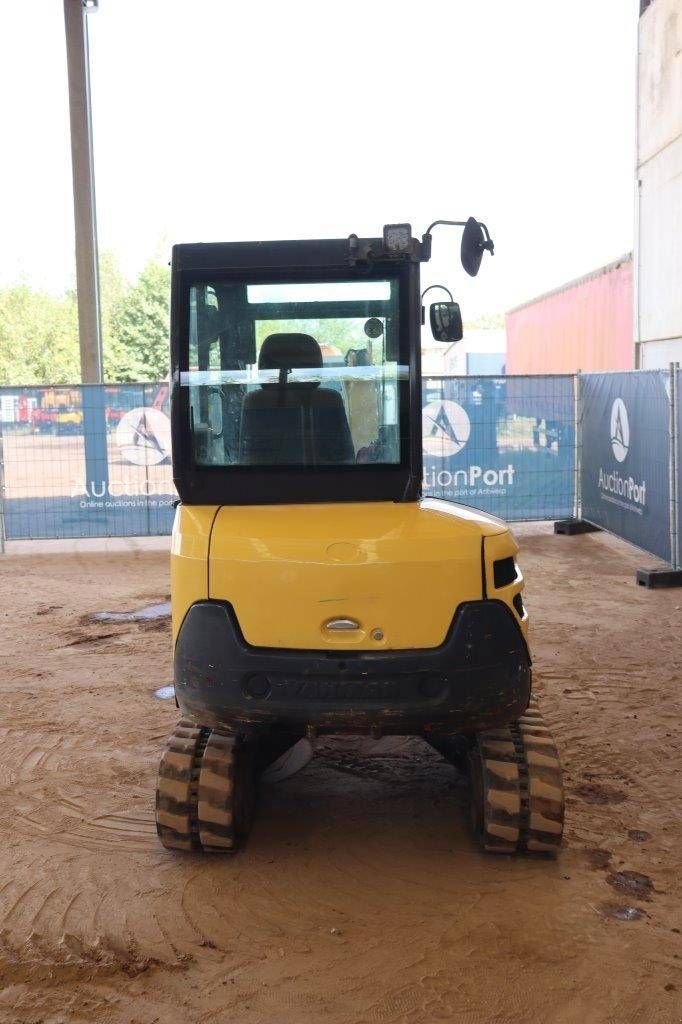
[502,444]
[94,460]
[625,461]
[86,461]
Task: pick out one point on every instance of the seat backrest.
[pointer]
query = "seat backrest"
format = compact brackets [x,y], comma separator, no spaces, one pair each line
[294,422]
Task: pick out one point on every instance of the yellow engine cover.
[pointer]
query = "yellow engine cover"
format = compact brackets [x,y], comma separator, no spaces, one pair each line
[397,570]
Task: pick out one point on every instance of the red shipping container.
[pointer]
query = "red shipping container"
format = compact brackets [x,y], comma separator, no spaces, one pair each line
[586,325]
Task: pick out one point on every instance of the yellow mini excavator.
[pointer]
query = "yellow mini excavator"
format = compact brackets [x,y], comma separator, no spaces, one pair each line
[314,590]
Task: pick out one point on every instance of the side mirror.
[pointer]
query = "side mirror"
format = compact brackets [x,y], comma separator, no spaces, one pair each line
[446,321]
[475,241]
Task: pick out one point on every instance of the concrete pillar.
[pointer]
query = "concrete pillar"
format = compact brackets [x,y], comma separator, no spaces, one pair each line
[87,262]
[87,269]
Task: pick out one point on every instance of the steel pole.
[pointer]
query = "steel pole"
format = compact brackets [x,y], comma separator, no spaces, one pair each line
[85,221]
[673,468]
[578,441]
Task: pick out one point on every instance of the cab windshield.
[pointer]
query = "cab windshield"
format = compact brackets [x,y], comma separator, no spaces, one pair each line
[298,374]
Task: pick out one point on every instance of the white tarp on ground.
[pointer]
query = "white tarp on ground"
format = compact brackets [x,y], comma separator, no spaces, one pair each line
[298,756]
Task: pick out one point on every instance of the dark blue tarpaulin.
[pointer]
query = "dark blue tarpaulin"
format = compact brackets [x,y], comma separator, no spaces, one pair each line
[94,461]
[86,461]
[502,444]
[625,466]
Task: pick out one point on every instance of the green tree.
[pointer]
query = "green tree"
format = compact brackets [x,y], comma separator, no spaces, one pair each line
[38,337]
[138,329]
[39,332]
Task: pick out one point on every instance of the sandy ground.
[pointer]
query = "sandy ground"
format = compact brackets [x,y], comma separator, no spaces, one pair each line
[360,898]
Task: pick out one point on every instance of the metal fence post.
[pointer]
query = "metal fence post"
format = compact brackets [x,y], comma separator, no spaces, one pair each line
[147,510]
[673,468]
[578,419]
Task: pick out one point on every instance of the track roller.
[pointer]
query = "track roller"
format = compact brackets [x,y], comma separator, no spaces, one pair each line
[517,795]
[206,790]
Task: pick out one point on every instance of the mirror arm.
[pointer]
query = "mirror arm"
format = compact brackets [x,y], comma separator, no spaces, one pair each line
[428,290]
[452,223]
[426,237]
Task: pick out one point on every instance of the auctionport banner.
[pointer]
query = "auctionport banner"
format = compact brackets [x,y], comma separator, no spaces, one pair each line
[502,444]
[95,460]
[625,456]
[86,461]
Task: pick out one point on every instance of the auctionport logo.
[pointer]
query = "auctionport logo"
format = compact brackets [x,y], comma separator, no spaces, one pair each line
[144,437]
[620,430]
[445,428]
[626,492]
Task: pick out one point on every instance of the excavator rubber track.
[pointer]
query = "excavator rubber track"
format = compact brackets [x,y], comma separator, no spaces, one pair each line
[206,790]
[517,794]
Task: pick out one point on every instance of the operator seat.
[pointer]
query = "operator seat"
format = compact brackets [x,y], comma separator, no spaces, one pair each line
[293,422]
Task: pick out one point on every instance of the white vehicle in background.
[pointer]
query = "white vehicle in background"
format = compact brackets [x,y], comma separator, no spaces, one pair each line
[17,409]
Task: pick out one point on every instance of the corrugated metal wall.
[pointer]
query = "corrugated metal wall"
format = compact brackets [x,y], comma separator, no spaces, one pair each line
[587,325]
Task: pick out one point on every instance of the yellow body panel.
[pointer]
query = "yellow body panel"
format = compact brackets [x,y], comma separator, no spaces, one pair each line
[399,569]
[189,558]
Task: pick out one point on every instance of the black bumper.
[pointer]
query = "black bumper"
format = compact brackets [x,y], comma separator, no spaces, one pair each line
[480,677]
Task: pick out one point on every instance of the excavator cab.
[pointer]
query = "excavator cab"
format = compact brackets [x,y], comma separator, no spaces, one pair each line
[314,589]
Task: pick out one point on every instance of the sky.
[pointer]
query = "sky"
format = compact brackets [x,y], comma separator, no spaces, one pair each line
[217,120]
